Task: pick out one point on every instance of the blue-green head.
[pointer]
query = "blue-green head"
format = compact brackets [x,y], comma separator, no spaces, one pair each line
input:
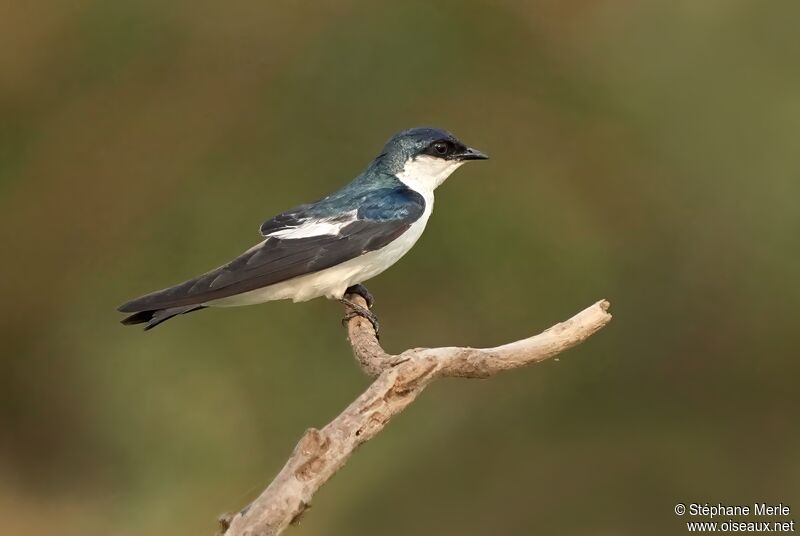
[423,157]
[425,141]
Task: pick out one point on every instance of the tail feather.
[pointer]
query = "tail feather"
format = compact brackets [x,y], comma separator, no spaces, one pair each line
[156,316]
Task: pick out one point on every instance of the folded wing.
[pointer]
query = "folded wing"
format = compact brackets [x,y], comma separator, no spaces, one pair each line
[298,242]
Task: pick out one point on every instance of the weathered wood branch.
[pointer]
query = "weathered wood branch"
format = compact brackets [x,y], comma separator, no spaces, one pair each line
[399,380]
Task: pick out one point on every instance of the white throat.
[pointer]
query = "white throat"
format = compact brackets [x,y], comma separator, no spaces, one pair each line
[424,173]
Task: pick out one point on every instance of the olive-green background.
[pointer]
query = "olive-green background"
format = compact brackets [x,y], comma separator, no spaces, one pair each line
[647,152]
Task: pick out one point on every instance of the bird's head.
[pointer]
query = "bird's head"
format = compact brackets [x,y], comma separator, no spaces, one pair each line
[424,157]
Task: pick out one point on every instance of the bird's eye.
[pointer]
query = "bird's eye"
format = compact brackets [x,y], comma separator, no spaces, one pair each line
[440,147]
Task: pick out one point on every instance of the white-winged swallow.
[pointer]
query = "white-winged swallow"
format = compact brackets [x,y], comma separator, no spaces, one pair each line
[331,246]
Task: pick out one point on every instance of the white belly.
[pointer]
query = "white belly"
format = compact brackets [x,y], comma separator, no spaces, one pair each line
[332,282]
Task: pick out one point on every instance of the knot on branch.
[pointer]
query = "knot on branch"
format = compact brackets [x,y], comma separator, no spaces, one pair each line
[310,452]
[224,521]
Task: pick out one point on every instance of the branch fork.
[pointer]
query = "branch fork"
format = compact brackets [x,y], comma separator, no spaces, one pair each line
[399,379]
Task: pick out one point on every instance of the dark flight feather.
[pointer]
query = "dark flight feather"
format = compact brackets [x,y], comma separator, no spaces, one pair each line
[157,316]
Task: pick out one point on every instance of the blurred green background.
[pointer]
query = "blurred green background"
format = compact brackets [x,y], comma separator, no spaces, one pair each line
[642,151]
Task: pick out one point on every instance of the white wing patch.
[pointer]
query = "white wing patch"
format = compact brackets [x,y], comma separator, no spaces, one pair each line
[314,227]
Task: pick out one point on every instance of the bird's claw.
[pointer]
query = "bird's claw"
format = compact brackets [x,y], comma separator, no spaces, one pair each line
[362,291]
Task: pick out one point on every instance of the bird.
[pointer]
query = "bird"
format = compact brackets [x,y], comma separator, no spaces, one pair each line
[329,247]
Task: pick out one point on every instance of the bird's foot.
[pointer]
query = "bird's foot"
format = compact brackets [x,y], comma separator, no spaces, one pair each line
[362,291]
[356,310]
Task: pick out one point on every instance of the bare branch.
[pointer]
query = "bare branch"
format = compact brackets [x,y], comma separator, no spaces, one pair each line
[399,380]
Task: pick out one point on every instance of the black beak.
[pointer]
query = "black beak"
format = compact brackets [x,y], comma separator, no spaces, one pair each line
[471,154]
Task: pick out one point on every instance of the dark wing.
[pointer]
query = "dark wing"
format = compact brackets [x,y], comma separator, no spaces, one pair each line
[382,217]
